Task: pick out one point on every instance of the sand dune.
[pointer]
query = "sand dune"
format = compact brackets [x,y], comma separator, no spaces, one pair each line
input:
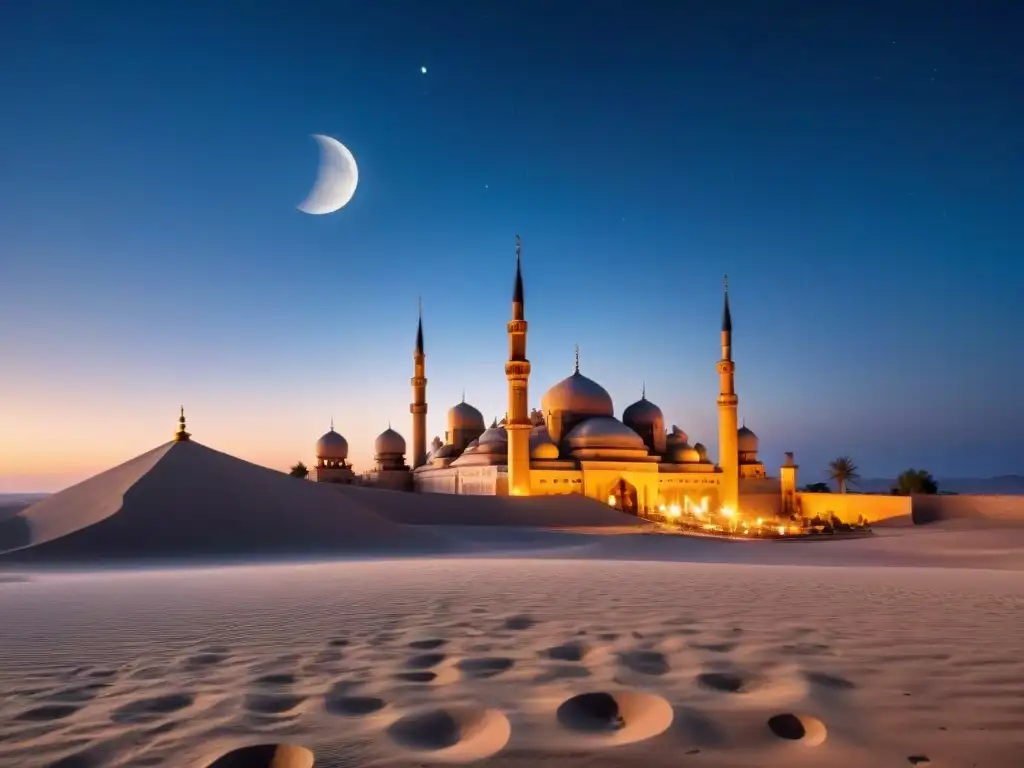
[418,661]
[184,500]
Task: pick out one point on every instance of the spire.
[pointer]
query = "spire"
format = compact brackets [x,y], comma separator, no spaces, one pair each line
[181,436]
[517,293]
[726,314]
[577,359]
[463,395]
[419,331]
[643,390]
[332,423]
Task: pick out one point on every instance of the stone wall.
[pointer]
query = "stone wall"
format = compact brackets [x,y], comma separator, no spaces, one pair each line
[1003,509]
[848,507]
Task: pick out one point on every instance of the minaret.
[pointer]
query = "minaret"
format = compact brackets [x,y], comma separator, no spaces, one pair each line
[517,371]
[418,407]
[181,436]
[728,446]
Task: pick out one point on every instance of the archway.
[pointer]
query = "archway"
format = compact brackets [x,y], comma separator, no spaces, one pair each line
[622,495]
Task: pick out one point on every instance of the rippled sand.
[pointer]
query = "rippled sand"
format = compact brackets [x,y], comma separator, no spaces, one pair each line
[515,662]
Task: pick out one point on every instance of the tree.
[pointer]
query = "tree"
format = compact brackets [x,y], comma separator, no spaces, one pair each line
[300,471]
[843,471]
[816,488]
[915,481]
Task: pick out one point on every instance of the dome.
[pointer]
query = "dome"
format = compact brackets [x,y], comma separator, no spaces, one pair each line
[676,437]
[493,440]
[604,432]
[578,395]
[684,454]
[746,440]
[389,442]
[465,416]
[643,413]
[332,446]
[543,450]
[701,451]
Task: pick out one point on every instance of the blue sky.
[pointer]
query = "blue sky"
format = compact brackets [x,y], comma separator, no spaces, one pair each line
[856,169]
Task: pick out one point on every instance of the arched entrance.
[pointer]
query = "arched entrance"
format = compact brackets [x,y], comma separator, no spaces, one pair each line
[622,496]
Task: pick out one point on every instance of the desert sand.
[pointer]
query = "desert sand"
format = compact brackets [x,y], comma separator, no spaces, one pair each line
[558,632]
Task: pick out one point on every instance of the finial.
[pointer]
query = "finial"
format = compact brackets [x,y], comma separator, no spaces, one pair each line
[420,301]
[463,395]
[419,329]
[389,423]
[577,358]
[181,435]
[725,282]
[726,313]
[332,423]
[519,247]
[643,390]
[517,289]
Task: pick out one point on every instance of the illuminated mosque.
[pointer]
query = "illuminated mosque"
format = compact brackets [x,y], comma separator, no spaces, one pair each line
[572,444]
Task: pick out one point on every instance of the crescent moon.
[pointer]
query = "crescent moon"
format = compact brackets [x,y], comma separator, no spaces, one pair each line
[336,180]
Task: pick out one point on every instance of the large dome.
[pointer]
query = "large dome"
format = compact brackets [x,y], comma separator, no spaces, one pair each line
[577,394]
[465,416]
[389,442]
[332,446]
[604,432]
[643,413]
[747,441]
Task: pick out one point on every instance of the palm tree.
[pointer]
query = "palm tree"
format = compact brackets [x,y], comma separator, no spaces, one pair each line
[300,471]
[915,481]
[843,471]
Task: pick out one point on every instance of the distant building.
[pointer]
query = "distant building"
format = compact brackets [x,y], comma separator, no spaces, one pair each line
[574,443]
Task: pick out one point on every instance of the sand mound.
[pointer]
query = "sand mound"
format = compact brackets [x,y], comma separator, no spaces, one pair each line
[808,730]
[568,511]
[617,717]
[455,734]
[266,756]
[184,500]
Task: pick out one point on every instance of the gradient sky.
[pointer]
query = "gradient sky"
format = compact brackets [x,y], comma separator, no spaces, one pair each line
[857,169]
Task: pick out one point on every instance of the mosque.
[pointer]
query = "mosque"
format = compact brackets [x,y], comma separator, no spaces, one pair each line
[573,444]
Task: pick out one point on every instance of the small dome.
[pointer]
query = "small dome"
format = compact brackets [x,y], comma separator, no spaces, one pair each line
[578,395]
[604,432]
[465,416]
[389,442]
[543,450]
[676,438]
[747,441]
[702,452]
[493,440]
[643,413]
[684,454]
[332,446]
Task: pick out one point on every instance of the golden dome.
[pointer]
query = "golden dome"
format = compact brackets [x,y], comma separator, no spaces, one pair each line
[465,416]
[746,440]
[578,395]
[684,454]
[643,413]
[332,446]
[604,432]
[544,451]
[389,442]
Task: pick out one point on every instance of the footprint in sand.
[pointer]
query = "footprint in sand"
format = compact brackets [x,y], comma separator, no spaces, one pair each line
[427,644]
[645,662]
[571,651]
[416,677]
[832,682]
[208,657]
[726,647]
[353,706]
[808,730]
[150,710]
[454,734]
[265,756]
[485,667]
[338,642]
[425,660]
[724,682]
[561,672]
[80,694]
[607,718]
[271,703]
[519,622]
[277,678]
[47,713]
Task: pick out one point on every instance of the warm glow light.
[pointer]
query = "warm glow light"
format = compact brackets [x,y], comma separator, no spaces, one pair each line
[782,530]
[760,522]
[611,501]
[661,508]
[727,511]
[674,510]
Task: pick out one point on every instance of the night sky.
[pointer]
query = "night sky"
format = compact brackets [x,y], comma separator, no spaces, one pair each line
[856,168]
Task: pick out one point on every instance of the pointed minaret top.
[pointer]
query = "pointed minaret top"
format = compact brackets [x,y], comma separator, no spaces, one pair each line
[332,423]
[181,436]
[419,330]
[726,314]
[463,395]
[577,359]
[643,390]
[517,292]
[494,424]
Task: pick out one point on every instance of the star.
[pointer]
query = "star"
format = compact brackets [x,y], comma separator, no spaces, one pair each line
[423,70]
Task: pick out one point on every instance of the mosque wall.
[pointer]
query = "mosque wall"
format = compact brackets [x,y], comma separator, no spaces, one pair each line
[436,481]
[929,509]
[550,482]
[674,488]
[848,507]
